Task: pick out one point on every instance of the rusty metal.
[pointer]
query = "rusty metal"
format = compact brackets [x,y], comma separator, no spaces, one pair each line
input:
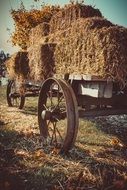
[76,110]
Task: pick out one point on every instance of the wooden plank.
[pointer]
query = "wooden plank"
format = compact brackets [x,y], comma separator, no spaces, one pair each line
[108,90]
[104,112]
[85,77]
[75,77]
[96,89]
[88,77]
[94,92]
[116,100]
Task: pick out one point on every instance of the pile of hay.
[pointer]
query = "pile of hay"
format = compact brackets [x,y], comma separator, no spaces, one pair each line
[90,46]
[18,66]
[41,61]
[70,13]
[96,47]
[77,40]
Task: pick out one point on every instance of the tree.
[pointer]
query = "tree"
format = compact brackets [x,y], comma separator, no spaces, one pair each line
[3,58]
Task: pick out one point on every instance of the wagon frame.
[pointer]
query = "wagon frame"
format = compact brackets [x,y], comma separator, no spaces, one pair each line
[63,99]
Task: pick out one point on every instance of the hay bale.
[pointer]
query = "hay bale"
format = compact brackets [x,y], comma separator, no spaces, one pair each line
[56,37]
[78,26]
[18,66]
[10,65]
[51,38]
[61,20]
[94,47]
[38,32]
[90,46]
[70,13]
[41,63]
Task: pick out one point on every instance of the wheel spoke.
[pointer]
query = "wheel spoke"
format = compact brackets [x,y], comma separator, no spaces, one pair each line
[59,134]
[58,94]
[48,127]
[46,108]
[53,133]
[56,118]
[48,123]
[13,101]
[16,102]
[50,97]
[61,98]
[54,125]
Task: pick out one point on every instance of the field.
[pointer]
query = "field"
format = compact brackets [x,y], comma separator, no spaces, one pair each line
[97,162]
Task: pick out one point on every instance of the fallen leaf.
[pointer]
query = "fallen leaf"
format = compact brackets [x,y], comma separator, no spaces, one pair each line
[116,142]
[55,151]
[22,153]
[39,153]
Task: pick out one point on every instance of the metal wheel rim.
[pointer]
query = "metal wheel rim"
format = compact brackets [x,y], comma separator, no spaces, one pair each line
[71,114]
[14,101]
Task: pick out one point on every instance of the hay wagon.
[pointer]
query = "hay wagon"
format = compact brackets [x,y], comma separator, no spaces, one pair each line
[65,99]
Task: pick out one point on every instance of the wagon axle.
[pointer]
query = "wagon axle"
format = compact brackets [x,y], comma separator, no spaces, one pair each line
[54,115]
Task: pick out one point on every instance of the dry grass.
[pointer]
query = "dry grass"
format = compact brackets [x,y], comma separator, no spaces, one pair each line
[98,161]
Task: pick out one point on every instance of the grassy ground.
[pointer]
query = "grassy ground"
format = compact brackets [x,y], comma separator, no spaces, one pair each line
[97,162]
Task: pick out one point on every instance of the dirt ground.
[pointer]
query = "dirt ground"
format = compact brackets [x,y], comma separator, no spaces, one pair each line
[97,162]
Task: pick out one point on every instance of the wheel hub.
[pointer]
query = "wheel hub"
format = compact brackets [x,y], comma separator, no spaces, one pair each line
[46,115]
[53,115]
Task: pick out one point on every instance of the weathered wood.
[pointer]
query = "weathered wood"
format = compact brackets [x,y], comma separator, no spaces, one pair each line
[80,77]
[116,100]
[101,112]
[95,89]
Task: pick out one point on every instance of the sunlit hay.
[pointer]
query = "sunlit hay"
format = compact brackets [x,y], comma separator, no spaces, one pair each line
[94,46]
[70,13]
[61,20]
[85,43]
[38,32]
[41,61]
[25,20]
[90,46]
[10,65]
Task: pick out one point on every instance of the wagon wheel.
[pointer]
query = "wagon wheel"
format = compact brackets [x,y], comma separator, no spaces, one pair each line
[14,99]
[57,115]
